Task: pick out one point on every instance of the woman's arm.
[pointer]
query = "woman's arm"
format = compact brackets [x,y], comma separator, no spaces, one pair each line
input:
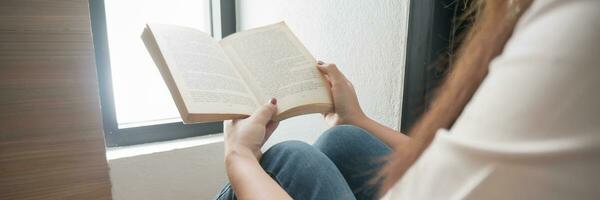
[348,111]
[249,180]
[243,140]
[386,134]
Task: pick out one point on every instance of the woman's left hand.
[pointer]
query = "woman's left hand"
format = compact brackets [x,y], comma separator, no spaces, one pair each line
[246,136]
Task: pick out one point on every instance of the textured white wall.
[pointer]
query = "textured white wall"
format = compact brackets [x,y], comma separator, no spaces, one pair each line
[367,40]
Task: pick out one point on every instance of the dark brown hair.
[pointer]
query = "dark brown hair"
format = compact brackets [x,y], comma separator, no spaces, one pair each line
[493,24]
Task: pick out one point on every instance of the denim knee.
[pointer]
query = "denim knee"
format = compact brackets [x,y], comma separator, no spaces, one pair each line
[287,155]
[342,139]
[305,172]
[357,154]
[349,140]
[295,148]
[343,132]
[302,171]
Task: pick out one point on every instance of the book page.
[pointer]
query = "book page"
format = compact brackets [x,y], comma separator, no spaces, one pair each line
[204,75]
[275,64]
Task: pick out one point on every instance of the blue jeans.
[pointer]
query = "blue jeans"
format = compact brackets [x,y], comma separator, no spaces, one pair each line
[342,164]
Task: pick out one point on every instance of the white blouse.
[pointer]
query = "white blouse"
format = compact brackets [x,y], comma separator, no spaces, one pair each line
[532,130]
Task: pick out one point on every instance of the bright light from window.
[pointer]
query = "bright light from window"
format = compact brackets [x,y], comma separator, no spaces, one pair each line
[141,96]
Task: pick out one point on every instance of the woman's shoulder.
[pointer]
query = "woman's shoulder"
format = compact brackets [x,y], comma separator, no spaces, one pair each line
[568,29]
[544,84]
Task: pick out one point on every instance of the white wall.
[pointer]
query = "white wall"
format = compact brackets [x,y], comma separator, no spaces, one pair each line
[366,39]
[190,168]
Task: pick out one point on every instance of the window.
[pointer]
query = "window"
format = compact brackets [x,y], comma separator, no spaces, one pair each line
[136,104]
[137,84]
[432,27]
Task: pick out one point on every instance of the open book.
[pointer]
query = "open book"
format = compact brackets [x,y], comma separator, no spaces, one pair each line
[218,80]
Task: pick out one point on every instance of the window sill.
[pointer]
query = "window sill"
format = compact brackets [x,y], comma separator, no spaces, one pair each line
[113,153]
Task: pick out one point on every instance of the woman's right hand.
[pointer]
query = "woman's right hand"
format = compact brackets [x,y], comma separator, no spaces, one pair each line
[346,107]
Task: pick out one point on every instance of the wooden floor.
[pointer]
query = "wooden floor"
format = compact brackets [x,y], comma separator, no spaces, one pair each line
[51,138]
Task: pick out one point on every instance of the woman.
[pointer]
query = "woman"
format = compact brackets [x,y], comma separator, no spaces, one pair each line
[522,101]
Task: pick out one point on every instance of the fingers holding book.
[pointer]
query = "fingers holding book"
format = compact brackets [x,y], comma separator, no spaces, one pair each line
[346,107]
[247,136]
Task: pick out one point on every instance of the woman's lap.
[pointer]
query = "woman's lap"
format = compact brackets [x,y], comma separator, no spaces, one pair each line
[342,161]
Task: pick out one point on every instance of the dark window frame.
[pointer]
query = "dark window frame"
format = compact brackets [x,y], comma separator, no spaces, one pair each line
[223,23]
[431,31]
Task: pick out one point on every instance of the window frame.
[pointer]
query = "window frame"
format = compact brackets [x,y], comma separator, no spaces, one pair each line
[431,30]
[223,23]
